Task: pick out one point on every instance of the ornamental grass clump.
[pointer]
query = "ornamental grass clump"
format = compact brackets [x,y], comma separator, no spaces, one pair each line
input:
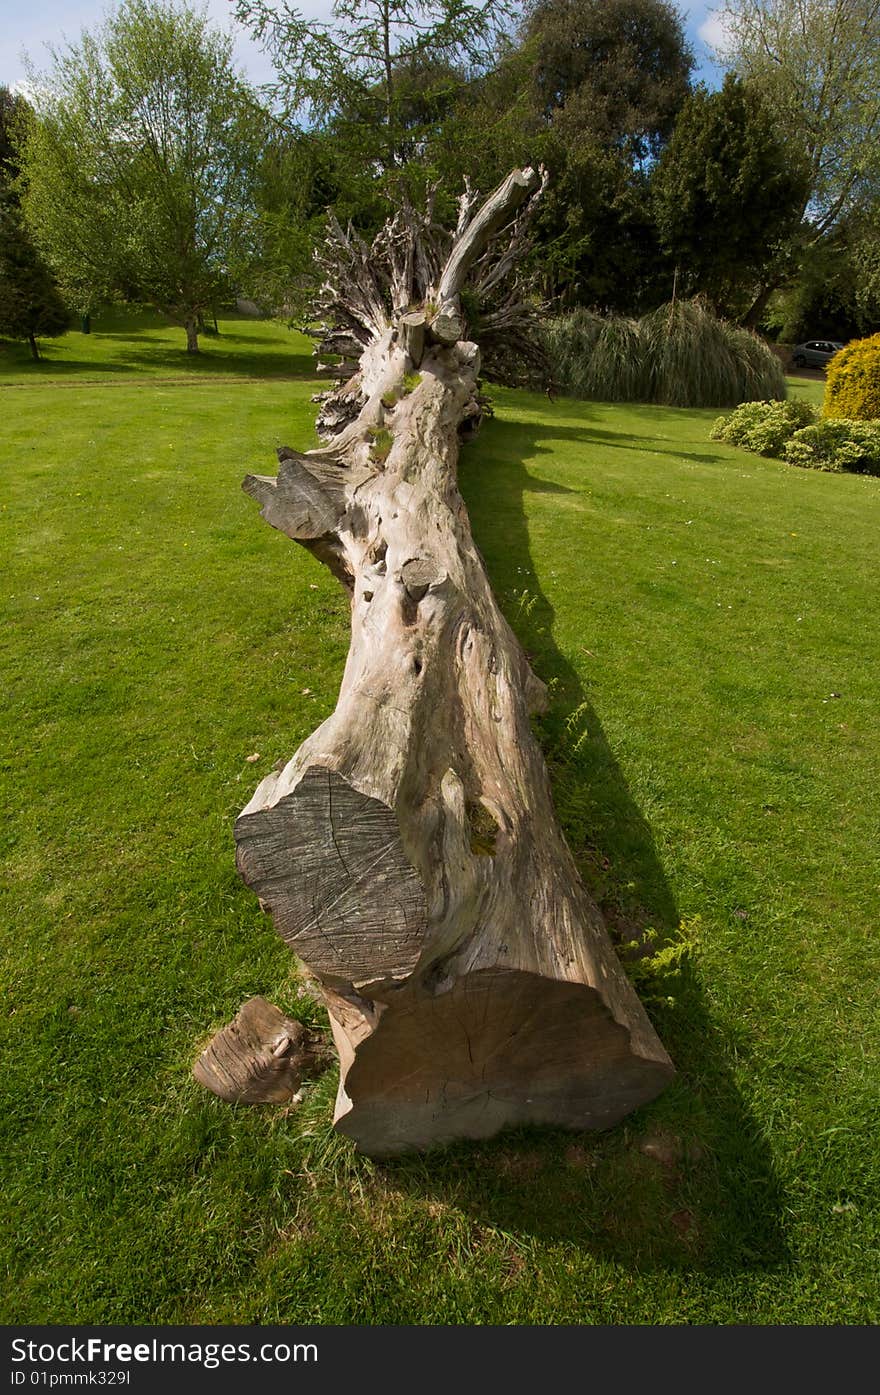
[852,382]
[618,369]
[680,355]
[595,357]
[697,360]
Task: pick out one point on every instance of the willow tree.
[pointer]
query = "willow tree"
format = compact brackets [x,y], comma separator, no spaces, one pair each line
[409,852]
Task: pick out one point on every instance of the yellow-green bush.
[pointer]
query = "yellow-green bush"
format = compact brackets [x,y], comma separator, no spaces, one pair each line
[763,427]
[836,445]
[852,382]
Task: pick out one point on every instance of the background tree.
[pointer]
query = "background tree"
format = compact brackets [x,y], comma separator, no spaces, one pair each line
[596,239]
[591,91]
[139,168]
[379,72]
[607,78]
[616,69]
[818,62]
[14,111]
[836,292]
[407,96]
[296,178]
[30,304]
[491,122]
[864,252]
[728,194]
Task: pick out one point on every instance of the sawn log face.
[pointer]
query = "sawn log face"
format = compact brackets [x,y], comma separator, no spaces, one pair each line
[409,852]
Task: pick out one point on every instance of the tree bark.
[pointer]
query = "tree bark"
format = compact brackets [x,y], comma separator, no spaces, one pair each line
[752,316]
[192,335]
[409,852]
[35,352]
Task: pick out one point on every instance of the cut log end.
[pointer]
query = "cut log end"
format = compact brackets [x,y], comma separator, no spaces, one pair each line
[499,1048]
[261,1057]
[354,910]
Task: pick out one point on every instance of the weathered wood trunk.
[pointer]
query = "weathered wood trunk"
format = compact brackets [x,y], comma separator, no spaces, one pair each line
[409,852]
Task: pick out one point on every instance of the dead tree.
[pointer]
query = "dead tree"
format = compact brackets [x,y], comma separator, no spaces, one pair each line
[409,852]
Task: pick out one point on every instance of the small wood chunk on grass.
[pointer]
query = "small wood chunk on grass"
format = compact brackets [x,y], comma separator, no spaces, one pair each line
[261,1057]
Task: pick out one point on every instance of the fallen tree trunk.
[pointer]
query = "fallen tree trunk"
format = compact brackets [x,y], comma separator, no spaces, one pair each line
[409,852]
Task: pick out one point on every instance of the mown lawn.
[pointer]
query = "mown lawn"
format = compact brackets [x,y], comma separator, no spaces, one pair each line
[707,622]
[125,344]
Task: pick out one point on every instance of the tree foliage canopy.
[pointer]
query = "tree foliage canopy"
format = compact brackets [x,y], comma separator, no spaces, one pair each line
[728,193]
[818,61]
[381,72]
[140,166]
[30,304]
[590,90]
[14,112]
[616,69]
[151,171]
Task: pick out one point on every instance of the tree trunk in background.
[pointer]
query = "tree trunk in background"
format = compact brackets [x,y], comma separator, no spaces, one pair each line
[192,335]
[35,353]
[409,852]
[752,317]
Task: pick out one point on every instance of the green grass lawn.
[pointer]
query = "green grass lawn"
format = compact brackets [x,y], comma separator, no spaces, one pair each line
[127,345]
[706,620]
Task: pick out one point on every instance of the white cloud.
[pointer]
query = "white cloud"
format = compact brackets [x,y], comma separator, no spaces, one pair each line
[714,32]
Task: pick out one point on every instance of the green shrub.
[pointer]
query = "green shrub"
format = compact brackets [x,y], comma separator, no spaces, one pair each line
[837,445]
[852,382]
[681,355]
[763,427]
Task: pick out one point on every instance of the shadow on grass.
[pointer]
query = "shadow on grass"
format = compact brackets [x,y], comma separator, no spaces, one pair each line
[215,361]
[137,346]
[704,1195]
[616,440]
[162,362]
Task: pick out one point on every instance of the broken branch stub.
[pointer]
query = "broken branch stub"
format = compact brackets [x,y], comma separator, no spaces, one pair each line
[409,852]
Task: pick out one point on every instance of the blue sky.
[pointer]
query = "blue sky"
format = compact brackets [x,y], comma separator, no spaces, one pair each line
[30,24]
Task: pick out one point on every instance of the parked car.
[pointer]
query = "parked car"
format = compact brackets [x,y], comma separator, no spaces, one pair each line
[815,353]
